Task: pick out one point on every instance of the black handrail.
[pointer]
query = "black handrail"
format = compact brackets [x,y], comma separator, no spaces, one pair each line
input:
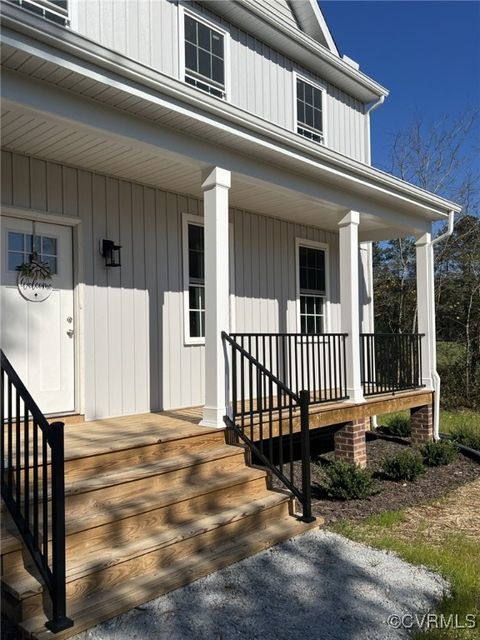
[31,451]
[390,362]
[261,403]
[302,361]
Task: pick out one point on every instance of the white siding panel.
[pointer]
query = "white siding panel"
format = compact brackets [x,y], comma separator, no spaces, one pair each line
[135,359]
[262,80]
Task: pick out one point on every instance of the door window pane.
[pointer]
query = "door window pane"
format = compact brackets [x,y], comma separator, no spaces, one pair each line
[22,245]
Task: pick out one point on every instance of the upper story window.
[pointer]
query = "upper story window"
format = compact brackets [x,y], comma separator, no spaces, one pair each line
[204,57]
[312,283]
[309,111]
[54,10]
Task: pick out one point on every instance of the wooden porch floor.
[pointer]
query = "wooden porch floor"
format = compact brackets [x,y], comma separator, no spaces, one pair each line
[125,432]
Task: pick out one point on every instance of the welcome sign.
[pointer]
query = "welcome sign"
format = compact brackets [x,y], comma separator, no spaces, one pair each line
[34,281]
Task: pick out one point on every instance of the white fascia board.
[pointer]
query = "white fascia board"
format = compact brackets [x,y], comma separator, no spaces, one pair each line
[115,70]
[313,4]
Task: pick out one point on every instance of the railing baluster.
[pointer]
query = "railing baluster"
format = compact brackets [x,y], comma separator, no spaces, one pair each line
[18,449]
[10,438]
[35,482]
[26,464]
[45,499]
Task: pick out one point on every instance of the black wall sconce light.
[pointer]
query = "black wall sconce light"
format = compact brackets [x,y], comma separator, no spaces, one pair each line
[111,252]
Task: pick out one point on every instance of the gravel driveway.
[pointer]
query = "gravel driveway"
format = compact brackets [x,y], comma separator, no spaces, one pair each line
[316,586]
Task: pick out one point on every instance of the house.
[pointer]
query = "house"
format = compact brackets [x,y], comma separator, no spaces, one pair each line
[188,207]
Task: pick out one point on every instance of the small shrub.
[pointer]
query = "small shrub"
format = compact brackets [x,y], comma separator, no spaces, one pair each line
[439,453]
[348,482]
[467,435]
[398,426]
[407,465]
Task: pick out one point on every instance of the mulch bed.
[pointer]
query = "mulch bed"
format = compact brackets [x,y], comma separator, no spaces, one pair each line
[435,483]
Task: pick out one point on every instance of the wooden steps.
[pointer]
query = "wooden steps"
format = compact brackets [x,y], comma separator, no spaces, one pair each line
[141,520]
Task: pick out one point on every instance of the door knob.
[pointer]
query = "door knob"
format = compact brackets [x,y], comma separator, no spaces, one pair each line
[70,333]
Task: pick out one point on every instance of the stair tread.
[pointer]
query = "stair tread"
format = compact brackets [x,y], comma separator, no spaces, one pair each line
[143,503]
[88,612]
[105,556]
[120,476]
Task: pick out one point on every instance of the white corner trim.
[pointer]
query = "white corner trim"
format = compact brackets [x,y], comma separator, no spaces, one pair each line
[321,87]
[189,218]
[211,24]
[302,242]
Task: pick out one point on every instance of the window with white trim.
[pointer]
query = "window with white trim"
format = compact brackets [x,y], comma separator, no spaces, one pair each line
[312,294]
[196,280]
[204,57]
[309,111]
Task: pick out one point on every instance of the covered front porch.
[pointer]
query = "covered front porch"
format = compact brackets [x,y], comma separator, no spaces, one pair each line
[120,162]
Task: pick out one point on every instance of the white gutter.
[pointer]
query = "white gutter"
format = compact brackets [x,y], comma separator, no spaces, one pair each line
[435,377]
[372,107]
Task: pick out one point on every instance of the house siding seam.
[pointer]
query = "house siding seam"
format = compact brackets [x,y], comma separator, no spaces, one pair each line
[262,79]
[134,352]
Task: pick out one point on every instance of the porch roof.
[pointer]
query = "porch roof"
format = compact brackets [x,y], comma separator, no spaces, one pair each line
[76,106]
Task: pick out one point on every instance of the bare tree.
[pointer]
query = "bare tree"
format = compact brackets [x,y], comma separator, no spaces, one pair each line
[439,157]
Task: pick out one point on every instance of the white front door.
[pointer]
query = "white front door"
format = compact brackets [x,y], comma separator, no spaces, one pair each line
[37,324]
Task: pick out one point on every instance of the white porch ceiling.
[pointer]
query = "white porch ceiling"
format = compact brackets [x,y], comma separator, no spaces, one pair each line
[30,134]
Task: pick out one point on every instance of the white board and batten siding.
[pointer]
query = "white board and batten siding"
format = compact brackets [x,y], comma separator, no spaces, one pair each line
[262,80]
[134,354]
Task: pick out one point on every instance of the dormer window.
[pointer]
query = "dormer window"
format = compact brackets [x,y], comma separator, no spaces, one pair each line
[204,57]
[310,111]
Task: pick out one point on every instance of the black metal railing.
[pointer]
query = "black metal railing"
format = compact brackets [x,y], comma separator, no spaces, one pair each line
[266,416]
[390,362]
[53,10]
[33,485]
[315,362]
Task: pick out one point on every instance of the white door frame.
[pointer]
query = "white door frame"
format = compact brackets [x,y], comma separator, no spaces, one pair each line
[78,288]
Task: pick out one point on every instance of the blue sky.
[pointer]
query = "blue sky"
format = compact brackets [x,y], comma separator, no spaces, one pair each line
[426,53]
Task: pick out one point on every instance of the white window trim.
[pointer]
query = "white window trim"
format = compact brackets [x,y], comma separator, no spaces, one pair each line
[182,10]
[302,242]
[189,218]
[323,89]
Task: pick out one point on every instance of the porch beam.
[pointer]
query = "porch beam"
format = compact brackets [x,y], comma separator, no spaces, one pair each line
[215,186]
[349,301]
[426,306]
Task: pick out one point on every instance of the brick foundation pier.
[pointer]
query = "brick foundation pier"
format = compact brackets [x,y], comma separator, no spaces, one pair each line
[350,443]
[421,419]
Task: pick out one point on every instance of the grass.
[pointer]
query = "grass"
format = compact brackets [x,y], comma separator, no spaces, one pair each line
[451,422]
[454,555]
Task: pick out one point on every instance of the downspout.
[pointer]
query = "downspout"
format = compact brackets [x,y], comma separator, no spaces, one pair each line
[435,376]
[372,107]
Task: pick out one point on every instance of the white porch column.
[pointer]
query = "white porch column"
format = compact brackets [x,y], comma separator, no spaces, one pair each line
[426,306]
[349,301]
[215,185]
